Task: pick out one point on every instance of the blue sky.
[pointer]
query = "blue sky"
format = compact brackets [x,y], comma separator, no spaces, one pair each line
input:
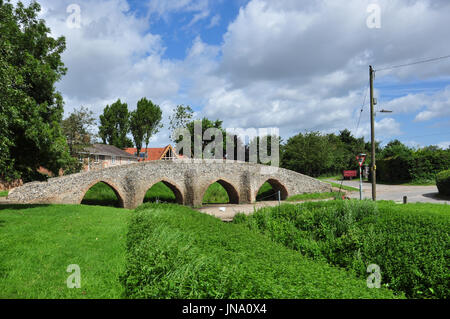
[295,65]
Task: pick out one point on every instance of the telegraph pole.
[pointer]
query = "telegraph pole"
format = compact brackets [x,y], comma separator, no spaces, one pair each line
[373,168]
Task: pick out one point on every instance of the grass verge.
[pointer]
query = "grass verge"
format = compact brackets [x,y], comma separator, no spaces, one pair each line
[176,252]
[410,242]
[313,196]
[4,193]
[38,243]
[344,187]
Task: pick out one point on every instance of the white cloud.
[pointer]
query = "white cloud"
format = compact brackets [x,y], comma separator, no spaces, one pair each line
[303,65]
[297,65]
[215,21]
[444,145]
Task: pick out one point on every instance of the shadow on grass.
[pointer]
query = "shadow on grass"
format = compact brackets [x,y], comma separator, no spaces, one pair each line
[21,206]
[101,202]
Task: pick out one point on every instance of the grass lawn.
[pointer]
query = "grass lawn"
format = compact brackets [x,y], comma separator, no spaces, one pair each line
[4,193]
[312,196]
[344,187]
[38,243]
[176,252]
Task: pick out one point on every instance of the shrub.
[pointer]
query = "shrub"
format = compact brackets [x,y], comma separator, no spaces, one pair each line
[409,242]
[421,166]
[443,182]
[176,252]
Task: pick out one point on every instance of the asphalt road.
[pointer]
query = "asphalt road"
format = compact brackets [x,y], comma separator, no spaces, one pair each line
[422,194]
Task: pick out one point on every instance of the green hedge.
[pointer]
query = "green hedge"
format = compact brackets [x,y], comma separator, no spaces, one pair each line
[410,242]
[443,182]
[176,252]
[422,165]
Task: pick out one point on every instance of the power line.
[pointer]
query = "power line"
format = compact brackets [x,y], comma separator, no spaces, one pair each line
[362,107]
[413,63]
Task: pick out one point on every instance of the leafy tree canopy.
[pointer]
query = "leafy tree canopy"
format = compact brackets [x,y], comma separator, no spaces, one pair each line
[77,128]
[145,122]
[115,125]
[30,108]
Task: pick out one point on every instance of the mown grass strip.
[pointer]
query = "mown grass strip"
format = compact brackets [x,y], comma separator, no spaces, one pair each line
[38,243]
[313,196]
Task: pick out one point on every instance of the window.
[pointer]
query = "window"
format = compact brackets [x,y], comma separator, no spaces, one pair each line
[142,155]
[113,159]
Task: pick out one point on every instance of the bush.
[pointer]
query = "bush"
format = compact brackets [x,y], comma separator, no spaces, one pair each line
[443,182]
[421,166]
[176,252]
[410,243]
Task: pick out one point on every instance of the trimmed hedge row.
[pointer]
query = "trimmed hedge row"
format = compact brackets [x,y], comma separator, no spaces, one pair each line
[410,242]
[418,166]
[443,182]
[176,252]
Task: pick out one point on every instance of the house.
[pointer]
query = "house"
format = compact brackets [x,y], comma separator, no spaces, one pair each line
[167,153]
[99,156]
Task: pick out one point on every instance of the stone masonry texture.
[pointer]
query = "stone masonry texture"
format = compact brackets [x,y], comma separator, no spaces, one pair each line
[189,179]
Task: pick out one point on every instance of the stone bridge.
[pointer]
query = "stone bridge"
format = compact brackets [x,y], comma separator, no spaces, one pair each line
[188,179]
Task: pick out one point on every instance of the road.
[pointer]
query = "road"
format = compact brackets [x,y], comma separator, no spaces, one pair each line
[422,194]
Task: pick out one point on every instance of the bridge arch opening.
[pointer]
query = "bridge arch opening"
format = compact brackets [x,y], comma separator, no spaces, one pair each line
[220,192]
[102,194]
[269,190]
[164,191]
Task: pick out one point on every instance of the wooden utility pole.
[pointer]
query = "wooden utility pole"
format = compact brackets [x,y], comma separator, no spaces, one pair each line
[373,168]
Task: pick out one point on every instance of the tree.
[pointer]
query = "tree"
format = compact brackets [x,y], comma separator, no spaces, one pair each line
[205,125]
[181,116]
[308,154]
[115,125]
[145,121]
[152,119]
[31,109]
[395,148]
[77,128]
[254,145]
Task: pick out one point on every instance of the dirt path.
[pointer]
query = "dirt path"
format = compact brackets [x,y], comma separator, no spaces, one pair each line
[226,212]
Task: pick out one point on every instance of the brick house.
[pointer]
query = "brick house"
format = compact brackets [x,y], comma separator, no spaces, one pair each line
[99,156]
[167,153]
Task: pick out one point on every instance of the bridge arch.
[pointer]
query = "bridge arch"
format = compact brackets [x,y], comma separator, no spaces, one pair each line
[277,185]
[232,190]
[174,187]
[119,196]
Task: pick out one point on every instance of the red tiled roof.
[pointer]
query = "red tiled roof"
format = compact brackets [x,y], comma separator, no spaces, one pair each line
[153,154]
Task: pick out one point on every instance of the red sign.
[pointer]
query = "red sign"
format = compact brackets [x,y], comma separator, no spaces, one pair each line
[360,159]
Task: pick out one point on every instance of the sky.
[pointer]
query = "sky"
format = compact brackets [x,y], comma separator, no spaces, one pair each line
[297,65]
